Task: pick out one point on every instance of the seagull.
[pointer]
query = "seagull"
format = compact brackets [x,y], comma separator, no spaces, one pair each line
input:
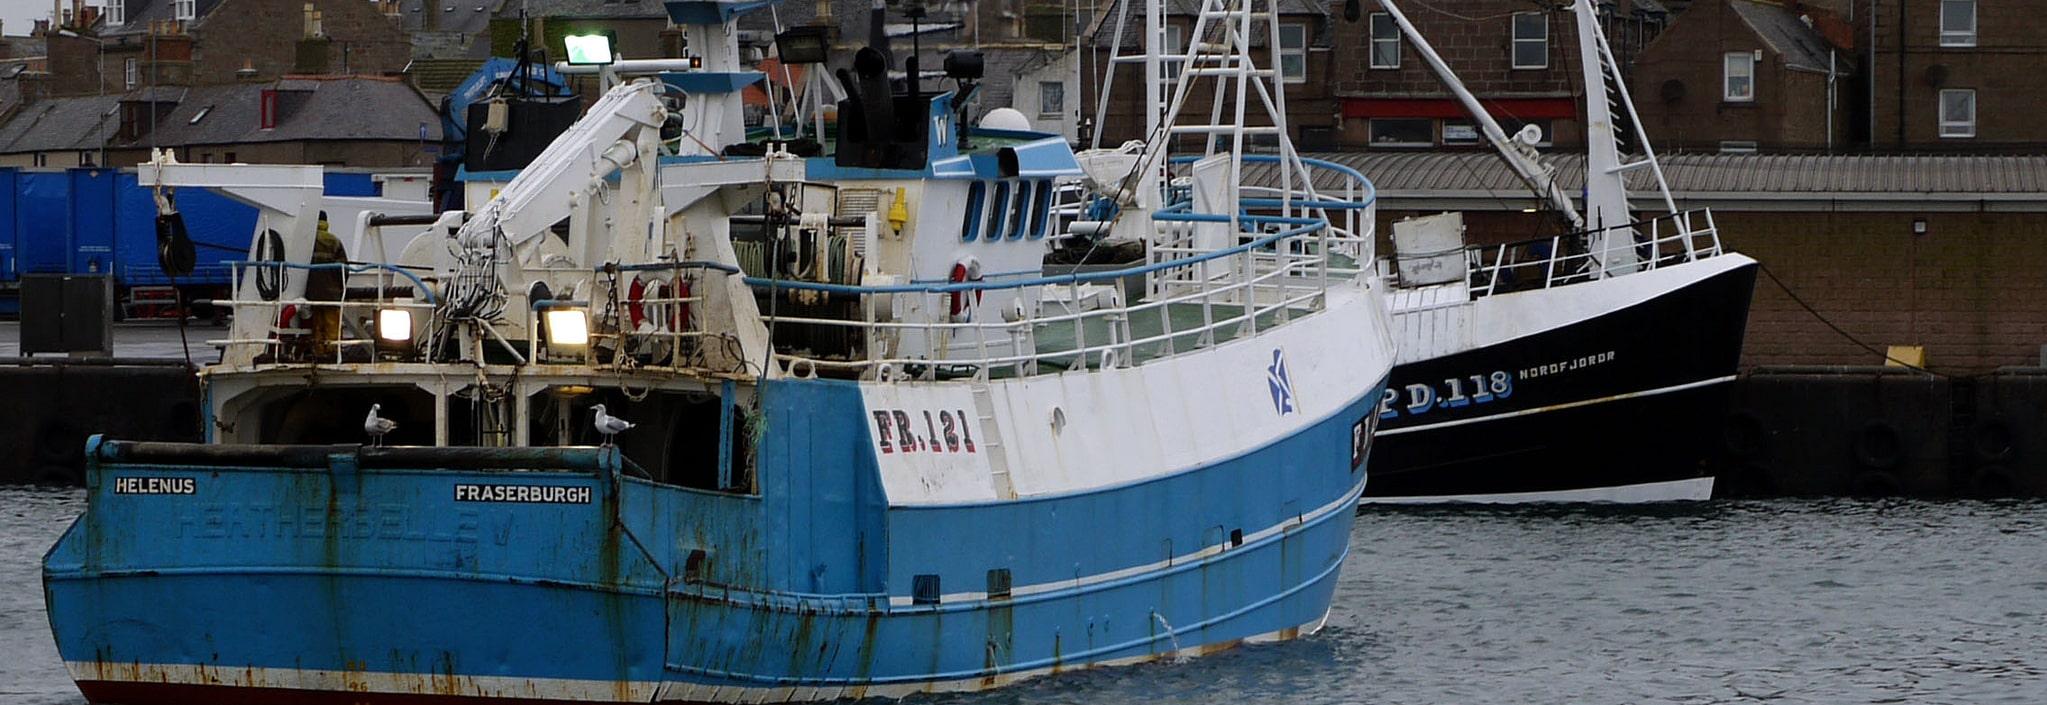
[377,426]
[608,425]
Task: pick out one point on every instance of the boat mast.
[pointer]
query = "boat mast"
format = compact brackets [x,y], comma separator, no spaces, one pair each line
[1612,235]
[1520,156]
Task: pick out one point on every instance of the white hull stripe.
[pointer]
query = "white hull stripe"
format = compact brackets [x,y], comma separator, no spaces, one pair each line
[1697,489]
[1251,540]
[1560,407]
[466,686]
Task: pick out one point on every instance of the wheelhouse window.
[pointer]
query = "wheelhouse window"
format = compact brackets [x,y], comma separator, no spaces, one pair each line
[977,200]
[1293,53]
[1958,113]
[1738,77]
[998,211]
[1403,132]
[1531,40]
[1385,42]
[1041,208]
[1958,23]
[1019,218]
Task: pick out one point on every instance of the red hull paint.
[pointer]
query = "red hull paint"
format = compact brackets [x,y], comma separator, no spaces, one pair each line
[131,693]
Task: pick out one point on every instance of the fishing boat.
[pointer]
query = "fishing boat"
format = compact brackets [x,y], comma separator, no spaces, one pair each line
[683,415]
[1588,366]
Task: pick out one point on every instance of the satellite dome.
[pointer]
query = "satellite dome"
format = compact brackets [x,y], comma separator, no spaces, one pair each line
[1005,119]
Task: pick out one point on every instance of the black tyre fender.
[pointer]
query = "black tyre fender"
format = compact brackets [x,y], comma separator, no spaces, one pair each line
[1876,483]
[1744,436]
[1878,445]
[57,443]
[1991,440]
[1992,482]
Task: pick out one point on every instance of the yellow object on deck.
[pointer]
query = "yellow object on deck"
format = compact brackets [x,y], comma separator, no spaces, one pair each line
[1905,355]
[899,211]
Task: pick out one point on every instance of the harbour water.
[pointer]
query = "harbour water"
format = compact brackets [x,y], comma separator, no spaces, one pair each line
[1826,601]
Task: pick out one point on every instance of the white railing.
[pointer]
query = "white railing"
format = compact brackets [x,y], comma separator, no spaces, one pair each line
[1235,291]
[1561,260]
[261,326]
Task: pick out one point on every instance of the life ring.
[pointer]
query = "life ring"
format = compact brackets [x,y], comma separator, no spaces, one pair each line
[964,271]
[635,302]
[1879,445]
[1991,440]
[680,313]
[1744,436]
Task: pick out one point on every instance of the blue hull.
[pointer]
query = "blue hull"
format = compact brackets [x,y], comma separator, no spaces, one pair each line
[223,584]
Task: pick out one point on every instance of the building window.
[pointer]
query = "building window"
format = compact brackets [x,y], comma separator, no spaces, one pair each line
[1169,60]
[42,159]
[1958,23]
[1051,98]
[228,158]
[1738,77]
[132,69]
[1385,42]
[1531,40]
[1958,113]
[184,9]
[1293,53]
[117,13]
[1460,133]
[1403,132]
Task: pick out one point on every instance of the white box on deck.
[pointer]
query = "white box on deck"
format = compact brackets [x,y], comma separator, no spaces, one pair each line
[1429,249]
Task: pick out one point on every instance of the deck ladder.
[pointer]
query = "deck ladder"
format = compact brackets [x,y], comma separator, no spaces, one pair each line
[991,442]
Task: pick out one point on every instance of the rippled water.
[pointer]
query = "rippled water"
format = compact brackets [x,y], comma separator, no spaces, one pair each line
[1728,602]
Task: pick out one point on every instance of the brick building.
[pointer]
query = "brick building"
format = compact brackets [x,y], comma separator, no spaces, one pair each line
[1939,251]
[1748,75]
[204,42]
[1307,58]
[1955,75]
[1519,57]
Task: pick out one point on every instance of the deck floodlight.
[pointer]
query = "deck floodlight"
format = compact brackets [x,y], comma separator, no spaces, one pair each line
[593,49]
[567,328]
[394,325]
[801,45]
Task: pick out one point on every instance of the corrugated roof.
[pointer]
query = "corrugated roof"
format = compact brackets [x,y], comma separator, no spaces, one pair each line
[1788,36]
[61,124]
[1432,171]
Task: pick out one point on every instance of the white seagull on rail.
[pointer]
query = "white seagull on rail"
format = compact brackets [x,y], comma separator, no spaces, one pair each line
[608,425]
[377,426]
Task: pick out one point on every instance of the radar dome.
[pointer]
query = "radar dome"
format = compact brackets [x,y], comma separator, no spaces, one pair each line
[1005,119]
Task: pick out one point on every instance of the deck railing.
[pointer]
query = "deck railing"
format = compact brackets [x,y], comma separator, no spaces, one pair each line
[1258,284]
[260,322]
[1547,262]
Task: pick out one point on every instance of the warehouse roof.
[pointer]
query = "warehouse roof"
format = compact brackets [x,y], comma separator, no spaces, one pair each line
[1874,180]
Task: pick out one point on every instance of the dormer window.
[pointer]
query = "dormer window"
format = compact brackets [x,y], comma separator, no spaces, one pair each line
[185,10]
[117,13]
